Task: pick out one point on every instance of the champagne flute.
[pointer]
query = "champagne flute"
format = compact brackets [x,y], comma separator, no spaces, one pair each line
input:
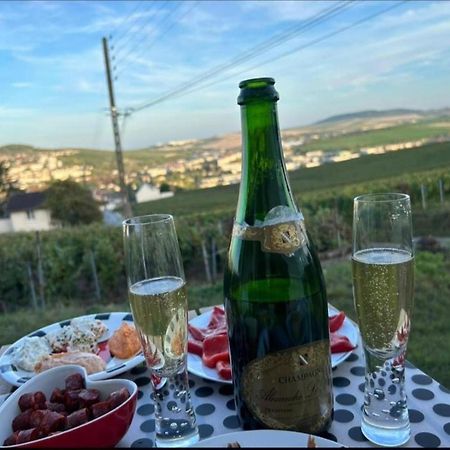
[383,291]
[158,300]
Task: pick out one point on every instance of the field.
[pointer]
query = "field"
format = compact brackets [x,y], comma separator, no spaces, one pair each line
[314,180]
[390,135]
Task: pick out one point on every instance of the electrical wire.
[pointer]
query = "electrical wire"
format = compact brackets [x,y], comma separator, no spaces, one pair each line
[136,36]
[295,50]
[161,34]
[124,21]
[320,17]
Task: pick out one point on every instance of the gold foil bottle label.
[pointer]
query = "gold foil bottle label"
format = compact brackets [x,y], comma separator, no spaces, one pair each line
[281,232]
[289,390]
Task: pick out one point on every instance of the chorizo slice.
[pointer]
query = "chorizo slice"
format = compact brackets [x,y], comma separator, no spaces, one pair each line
[57,396]
[118,397]
[71,401]
[22,421]
[47,421]
[88,397]
[77,418]
[100,408]
[75,382]
[27,435]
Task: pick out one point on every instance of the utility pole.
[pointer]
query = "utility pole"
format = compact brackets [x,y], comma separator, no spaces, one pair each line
[119,158]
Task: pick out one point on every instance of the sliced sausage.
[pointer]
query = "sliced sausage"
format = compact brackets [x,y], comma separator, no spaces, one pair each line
[100,408]
[27,435]
[75,382]
[71,400]
[57,407]
[47,421]
[88,397]
[118,397]
[77,418]
[22,421]
[57,396]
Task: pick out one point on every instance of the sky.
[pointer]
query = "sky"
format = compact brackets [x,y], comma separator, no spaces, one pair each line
[177,65]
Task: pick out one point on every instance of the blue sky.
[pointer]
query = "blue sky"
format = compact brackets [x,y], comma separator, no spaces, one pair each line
[52,79]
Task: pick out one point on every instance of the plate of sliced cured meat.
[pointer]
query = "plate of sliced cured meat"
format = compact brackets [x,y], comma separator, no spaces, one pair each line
[208,351]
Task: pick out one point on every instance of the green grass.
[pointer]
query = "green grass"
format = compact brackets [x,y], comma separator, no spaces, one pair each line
[391,135]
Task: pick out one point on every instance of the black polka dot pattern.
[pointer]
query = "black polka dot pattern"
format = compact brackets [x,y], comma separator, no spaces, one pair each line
[427,440]
[148,426]
[340,381]
[205,409]
[204,391]
[142,443]
[442,409]
[343,416]
[346,399]
[205,430]
[447,428]
[358,371]
[356,434]
[415,416]
[145,410]
[231,422]
[422,379]
[423,394]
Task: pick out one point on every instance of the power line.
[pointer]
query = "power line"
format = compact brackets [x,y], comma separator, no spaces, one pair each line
[179,92]
[162,33]
[320,17]
[297,49]
[154,12]
[153,34]
[124,21]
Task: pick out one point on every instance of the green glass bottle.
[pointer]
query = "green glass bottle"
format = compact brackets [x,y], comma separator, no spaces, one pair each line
[274,291]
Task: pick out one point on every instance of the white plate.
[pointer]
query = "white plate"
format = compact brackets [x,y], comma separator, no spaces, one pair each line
[265,438]
[196,366]
[16,376]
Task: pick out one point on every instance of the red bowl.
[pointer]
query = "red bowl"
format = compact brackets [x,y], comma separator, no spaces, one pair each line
[104,431]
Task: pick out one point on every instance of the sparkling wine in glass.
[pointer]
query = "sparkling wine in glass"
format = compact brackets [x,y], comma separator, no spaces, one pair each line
[158,300]
[383,291]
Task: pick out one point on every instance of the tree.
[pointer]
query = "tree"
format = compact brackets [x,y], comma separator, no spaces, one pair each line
[72,204]
[165,187]
[7,185]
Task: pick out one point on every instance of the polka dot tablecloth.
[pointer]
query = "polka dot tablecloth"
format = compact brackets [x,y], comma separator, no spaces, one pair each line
[428,403]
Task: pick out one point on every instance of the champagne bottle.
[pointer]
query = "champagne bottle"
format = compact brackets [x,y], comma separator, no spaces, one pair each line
[274,291]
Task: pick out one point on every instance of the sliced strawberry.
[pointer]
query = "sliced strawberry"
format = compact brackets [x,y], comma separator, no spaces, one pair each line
[215,348]
[224,369]
[195,346]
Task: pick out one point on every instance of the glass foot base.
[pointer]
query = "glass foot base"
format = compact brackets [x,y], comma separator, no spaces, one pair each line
[386,436]
[184,441]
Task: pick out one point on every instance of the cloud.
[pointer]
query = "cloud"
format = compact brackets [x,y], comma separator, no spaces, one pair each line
[21,85]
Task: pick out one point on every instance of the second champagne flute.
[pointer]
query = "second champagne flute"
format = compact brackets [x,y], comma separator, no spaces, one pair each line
[157,295]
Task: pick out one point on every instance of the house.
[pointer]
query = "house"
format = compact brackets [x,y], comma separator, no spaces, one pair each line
[26,212]
[148,193]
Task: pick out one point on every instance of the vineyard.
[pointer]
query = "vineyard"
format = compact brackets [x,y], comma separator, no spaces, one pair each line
[86,263]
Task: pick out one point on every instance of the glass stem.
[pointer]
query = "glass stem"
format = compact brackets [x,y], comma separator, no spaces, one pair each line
[175,421]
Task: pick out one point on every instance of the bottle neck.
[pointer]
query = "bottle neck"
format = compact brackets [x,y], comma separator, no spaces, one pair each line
[264,183]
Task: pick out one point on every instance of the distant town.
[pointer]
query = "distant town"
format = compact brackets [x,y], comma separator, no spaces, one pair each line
[161,170]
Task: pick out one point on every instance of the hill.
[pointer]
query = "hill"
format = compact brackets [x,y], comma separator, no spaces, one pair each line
[371,114]
[316,180]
